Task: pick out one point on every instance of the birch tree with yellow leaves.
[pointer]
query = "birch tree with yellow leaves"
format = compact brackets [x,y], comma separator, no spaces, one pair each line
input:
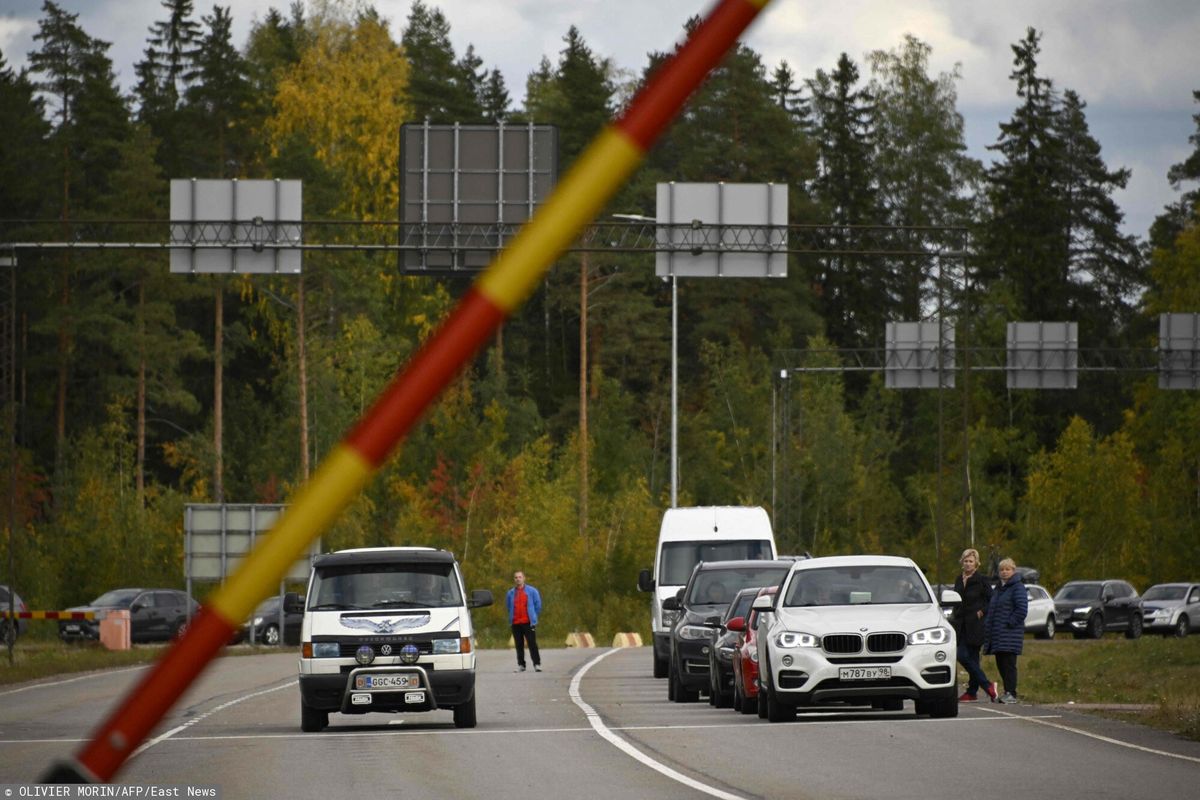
[347,98]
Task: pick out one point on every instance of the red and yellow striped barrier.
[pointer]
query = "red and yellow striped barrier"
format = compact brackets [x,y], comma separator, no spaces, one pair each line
[592,180]
[627,640]
[580,639]
[50,615]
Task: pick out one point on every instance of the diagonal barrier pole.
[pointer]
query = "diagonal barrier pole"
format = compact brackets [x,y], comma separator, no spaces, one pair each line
[597,174]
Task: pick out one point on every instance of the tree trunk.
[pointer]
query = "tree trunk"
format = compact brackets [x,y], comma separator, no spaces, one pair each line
[583,398]
[302,357]
[218,376]
[140,473]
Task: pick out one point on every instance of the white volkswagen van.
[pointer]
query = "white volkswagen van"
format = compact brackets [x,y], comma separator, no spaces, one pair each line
[386,629]
[688,536]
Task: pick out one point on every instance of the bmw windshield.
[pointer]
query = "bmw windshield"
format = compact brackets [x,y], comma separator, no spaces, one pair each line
[856,585]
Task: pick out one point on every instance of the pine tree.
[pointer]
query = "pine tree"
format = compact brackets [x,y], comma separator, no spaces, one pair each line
[495,100]
[164,74]
[1178,215]
[440,89]
[851,299]
[1105,266]
[23,152]
[219,101]
[1025,240]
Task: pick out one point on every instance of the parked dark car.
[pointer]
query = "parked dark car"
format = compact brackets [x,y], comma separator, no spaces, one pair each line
[724,649]
[1089,609]
[11,629]
[263,625]
[701,603]
[155,615]
[1171,608]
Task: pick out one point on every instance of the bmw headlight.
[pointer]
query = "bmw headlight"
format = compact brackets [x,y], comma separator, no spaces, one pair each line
[695,632]
[325,649]
[1082,610]
[793,639]
[930,636]
[447,646]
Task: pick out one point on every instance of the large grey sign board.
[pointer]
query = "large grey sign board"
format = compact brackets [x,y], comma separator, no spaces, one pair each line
[217,537]
[1179,351]
[721,230]
[465,189]
[223,225]
[1043,355]
[912,355]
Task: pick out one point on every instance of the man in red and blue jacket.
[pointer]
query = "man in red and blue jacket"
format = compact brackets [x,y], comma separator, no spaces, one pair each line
[524,607]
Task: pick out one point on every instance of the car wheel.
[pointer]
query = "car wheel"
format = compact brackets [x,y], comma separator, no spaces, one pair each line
[760,702]
[180,629]
[660,666]
[749,704]
[1095,627]
[312,719]
[464,714]
[1181,627]
[944,709]
[271,635]
[1050,627]
[777,711]
[1135,627]
[675,690]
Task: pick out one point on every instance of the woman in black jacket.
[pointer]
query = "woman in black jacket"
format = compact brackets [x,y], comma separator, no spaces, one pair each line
[969,625]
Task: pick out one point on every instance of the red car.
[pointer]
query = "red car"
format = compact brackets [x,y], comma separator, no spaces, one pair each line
[745,661]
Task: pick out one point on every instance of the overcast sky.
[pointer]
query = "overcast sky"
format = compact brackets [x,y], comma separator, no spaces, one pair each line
[1134,62]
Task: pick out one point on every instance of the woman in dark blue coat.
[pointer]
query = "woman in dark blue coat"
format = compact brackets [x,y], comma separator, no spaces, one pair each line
[1005,627]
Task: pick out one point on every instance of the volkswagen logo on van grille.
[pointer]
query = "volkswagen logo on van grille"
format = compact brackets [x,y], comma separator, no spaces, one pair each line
[386,650]
[364,655]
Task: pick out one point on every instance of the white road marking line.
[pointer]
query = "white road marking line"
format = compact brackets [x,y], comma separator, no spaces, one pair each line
[625,747]
[1096,736]
[163,737]
[70,680]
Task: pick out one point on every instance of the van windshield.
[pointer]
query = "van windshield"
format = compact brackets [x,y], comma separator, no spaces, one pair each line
[678,558]
[358,586]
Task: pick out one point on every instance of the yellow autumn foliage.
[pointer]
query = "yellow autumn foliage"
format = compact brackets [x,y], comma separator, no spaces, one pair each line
[347,97]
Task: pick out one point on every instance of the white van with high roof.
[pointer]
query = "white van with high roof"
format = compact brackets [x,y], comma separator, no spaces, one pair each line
[688,536]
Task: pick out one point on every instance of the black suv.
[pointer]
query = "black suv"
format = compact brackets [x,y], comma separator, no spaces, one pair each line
[1090,608]
[701,604]
[154,614]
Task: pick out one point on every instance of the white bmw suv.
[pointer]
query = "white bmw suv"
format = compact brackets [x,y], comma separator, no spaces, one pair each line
[858,630]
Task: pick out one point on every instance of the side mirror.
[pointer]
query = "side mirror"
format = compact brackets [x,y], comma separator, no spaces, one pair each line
[763,603]
[480,598]
[713,621]
[737,624]
[950,597]
[136,607]
[670,604]
[1108,595]
[645,582]
[293,603]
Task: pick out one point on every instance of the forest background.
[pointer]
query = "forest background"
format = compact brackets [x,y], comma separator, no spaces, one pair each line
[117,426]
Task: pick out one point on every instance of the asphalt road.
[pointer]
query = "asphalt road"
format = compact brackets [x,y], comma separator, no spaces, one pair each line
[594,724]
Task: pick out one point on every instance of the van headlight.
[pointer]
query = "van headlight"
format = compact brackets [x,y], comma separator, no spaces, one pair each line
[447,646]
[325,650]
[669,618]
[930,636]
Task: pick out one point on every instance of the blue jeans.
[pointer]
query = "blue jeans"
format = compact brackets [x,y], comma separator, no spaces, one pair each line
[968,656]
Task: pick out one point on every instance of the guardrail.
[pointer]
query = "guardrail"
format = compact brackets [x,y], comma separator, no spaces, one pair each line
[50,615]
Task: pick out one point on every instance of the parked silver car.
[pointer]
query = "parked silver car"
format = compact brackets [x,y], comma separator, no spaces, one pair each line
[1171,608]
[1041,620]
